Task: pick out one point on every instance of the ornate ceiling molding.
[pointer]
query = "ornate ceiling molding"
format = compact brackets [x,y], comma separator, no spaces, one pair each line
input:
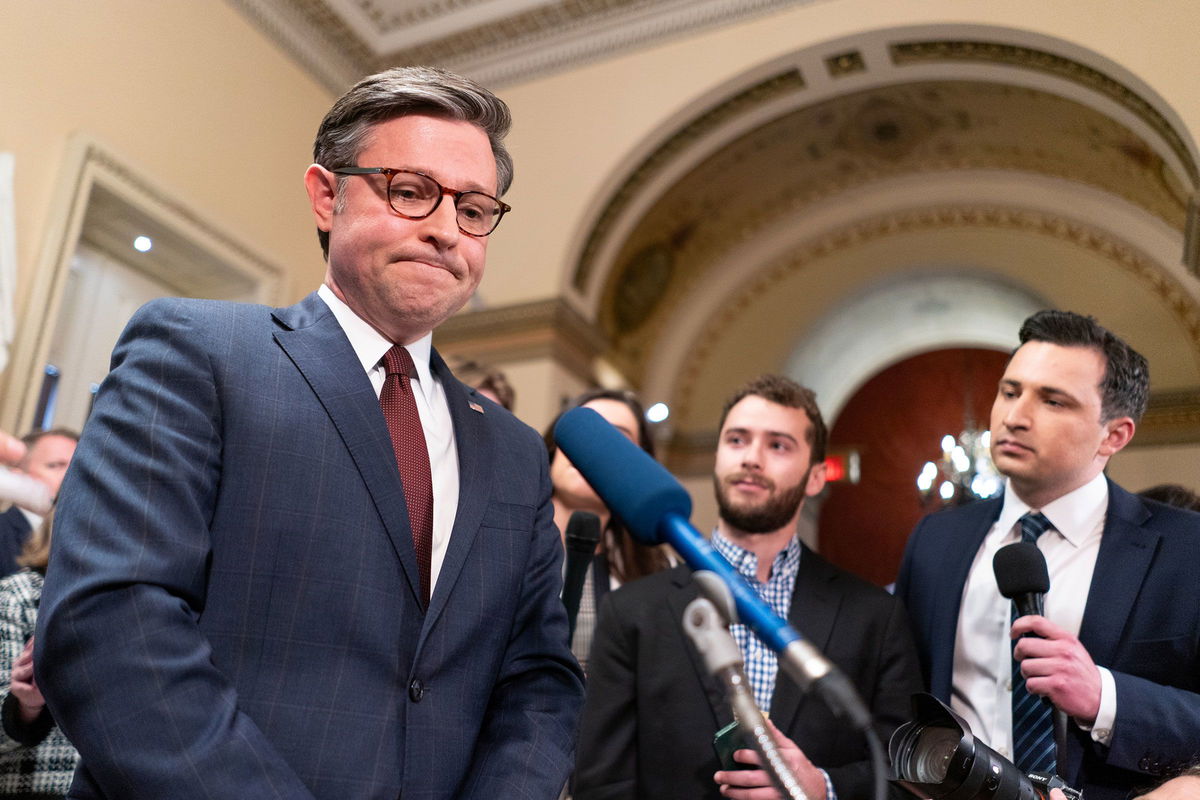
[503,48]
[1121,254]
[903,54]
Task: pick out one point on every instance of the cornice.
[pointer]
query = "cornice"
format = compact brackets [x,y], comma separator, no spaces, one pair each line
[539,329]
[1172,418]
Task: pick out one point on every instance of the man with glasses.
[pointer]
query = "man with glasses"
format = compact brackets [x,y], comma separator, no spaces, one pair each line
[298,558]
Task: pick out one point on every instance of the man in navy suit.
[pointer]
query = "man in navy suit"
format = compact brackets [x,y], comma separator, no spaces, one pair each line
[1116,654]
[46,458]
[240,603]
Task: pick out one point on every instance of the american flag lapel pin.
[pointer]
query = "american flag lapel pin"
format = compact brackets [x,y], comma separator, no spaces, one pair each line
[475,406]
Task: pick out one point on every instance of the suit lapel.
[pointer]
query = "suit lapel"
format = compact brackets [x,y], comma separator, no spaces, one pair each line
[959,553]
[685,592]
[316,344]
[1126,550]
[475,444]
[814,610]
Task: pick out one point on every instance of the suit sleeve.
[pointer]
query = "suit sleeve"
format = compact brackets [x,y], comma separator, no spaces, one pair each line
[525,747]
[896,677]
[1156,730]
[120,658]
[607,765]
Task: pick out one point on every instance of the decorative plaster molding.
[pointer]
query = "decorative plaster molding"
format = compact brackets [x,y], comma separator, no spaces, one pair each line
[1121,254]
[904,53]
[1172,418]
[539,329]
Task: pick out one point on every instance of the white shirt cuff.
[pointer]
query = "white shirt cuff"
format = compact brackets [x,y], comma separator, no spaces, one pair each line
[1106,717]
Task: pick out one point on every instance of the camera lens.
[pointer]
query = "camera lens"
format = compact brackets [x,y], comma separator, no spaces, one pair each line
[932,753]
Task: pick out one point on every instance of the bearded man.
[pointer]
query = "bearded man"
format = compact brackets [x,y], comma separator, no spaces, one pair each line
[652,709]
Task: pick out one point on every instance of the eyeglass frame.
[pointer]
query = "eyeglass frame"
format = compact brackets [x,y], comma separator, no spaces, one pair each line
[442,192]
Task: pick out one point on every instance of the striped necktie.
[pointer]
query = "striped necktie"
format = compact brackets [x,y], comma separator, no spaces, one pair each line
[1033,716]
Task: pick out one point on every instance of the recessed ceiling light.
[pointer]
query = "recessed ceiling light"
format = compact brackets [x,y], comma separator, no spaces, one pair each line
[142,244]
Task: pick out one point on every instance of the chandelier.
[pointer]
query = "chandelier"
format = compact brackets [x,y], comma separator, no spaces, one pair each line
[965,471]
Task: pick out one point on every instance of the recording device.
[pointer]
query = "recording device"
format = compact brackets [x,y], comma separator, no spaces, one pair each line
[583,533]
[655,508]
[26,492]
[1022,576]
[937,758]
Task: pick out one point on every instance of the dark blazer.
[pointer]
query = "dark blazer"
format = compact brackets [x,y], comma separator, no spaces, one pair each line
[652,708]
[232,608]
[14,530]
[1142,622]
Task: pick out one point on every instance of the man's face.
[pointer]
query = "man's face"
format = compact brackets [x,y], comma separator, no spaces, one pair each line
[405,277]
[763,469]
[1047,436]
[48,459]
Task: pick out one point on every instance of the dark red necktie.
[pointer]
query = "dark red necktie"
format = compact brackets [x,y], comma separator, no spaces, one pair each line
[412,456]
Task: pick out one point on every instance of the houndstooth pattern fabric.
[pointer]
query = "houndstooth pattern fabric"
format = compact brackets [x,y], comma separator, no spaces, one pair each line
[47,768]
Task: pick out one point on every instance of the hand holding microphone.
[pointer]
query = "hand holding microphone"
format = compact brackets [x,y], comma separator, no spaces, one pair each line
[1055,664]
[16,487]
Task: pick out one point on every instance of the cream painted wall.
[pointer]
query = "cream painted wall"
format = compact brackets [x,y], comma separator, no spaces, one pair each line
[188,95]
[1138,468]
[575,133]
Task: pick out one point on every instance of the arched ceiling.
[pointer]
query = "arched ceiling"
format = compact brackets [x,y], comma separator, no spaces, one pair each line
[725,270]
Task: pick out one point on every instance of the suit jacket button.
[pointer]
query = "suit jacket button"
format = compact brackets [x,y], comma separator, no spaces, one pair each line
[416,690]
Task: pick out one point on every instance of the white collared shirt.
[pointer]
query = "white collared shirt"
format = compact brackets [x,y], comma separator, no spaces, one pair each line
[432,407]
[982,677]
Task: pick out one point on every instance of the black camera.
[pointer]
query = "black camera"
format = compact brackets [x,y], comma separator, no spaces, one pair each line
[937,758]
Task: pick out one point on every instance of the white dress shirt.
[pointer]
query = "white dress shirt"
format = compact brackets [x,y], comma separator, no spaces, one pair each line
[982,677]
[370,346]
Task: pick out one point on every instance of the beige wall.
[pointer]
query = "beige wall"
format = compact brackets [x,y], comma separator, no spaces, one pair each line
[189,95]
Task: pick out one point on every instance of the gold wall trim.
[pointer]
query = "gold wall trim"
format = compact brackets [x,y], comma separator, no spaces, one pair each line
[1172,418]
[1126,257]
[943,50]
[540,329]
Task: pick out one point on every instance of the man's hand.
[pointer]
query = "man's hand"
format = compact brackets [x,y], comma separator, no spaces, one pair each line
[1057,666]
[24,687]
[755,784]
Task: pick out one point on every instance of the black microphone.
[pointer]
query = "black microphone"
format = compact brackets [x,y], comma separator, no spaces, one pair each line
[1022,576]
[583,533]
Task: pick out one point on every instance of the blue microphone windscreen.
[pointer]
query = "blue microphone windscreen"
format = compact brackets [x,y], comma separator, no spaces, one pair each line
[633,485]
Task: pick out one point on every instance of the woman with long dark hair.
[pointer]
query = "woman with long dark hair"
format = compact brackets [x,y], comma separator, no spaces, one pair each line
[619,557]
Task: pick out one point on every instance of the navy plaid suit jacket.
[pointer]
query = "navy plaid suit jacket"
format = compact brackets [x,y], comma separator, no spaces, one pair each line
[232,608]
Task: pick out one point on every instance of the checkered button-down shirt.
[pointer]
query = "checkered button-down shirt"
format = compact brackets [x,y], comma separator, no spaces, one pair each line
[762,665]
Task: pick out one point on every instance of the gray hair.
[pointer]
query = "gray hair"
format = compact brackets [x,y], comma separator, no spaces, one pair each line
[402,91]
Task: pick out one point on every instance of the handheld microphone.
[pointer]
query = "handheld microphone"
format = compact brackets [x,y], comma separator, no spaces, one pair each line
[1022,576]
[583,533]
[656,508]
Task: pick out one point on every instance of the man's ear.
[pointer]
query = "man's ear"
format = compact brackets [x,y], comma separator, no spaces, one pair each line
[816,480]
[1118,432]
[321,185]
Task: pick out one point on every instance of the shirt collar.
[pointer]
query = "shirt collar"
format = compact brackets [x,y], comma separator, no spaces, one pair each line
[1075,515]
[746,562]
[370,345]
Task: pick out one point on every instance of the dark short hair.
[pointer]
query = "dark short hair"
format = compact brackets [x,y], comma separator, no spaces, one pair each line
[33,437]
[400,92]
[628,398]
[1125,388]
[786,392]
[484,377]
[1173,494]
